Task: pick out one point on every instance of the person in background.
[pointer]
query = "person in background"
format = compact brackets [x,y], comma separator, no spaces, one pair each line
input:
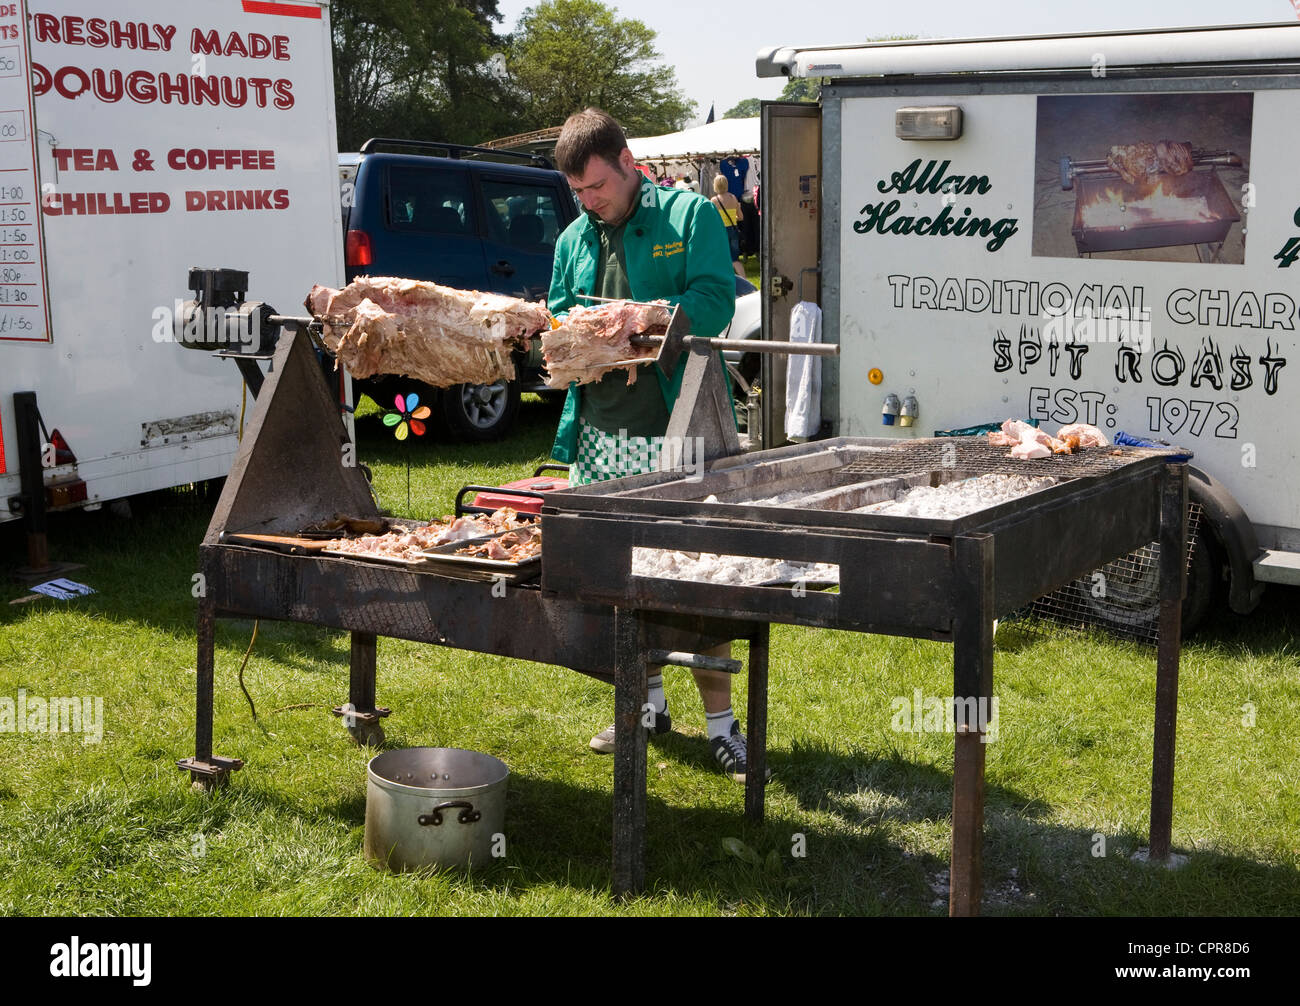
[729,209]
[637,241]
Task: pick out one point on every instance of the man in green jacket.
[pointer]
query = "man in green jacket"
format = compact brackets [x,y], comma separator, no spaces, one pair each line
[637,241]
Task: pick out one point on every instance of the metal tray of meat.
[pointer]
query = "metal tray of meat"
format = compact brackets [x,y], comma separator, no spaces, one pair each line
[445,560]
[383,560]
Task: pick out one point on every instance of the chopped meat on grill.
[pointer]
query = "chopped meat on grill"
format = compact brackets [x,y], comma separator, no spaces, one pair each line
[410,544]
[1028,442]
[380,325]
[592,341]
[1028,450]
[1014,431]
[513,546]
[1089,436]
[1141,162]
[1066,445]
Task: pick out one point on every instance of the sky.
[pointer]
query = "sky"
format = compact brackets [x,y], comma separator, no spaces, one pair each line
[714,59]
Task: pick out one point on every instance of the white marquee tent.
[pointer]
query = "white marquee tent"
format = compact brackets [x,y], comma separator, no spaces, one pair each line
[695,152]
[712,140]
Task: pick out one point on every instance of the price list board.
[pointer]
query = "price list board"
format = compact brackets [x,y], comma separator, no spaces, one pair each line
[24,314]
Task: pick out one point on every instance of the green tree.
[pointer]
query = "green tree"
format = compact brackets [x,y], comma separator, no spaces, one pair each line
[568,54]
[802,89]
[744,109]
[416,69]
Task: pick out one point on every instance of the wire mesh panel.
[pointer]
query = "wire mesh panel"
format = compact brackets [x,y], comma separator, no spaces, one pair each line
[1122,597]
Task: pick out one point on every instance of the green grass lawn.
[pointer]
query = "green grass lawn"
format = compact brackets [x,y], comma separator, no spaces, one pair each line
[114,828]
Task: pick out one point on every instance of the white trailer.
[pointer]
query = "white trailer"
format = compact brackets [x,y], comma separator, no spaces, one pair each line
[139,138]
[987,248]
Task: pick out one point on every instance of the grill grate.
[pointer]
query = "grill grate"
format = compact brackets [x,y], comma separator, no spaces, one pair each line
[1124,601]
[979,457]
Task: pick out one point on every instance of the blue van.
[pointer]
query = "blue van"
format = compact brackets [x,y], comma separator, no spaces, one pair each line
[466,217]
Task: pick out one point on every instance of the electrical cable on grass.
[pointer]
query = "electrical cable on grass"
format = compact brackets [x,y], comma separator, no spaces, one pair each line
[247,654]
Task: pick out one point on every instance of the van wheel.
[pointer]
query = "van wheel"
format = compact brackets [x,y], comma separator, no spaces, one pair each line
[480,412]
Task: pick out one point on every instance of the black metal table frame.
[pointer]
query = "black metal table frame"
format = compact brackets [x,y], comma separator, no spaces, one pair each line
[968,570]
[280,480]
[368,601]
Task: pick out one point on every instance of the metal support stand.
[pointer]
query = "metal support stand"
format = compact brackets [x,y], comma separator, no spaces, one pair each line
[703,413]
[756,727]
[361,716]
[31,502]
[972,680]
[1173,585]
[629,754]
[204,768]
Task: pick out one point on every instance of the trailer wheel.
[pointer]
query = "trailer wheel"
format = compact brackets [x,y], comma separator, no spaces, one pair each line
[1124,595]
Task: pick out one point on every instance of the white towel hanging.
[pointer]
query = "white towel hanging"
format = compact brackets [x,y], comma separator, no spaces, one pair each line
[803,384]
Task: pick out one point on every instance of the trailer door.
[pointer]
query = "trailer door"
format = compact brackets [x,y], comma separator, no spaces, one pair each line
[790,199]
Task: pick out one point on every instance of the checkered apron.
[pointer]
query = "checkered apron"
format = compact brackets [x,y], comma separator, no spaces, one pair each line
[603,456]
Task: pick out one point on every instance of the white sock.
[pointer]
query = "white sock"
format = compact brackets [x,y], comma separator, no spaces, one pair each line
[719,724]
[655,692]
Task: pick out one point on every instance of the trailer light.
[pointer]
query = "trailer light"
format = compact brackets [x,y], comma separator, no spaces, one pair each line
[62,452]
[875,375]
[928,122]
[357,249]
[889,412]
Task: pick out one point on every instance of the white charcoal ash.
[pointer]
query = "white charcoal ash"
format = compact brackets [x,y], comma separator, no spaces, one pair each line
[956,499]
[734,570]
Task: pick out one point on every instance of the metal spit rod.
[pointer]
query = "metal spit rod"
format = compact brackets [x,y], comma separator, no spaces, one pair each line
[745,345]
[748,345]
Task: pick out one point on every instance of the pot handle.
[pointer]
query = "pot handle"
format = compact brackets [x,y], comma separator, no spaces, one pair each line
[467,815]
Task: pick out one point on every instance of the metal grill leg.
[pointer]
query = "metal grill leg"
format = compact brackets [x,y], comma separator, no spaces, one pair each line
[206,769]
[361,716]
[361,678]
[756,734]
[629,754]
[1173,585]
[205,674]
[972,679]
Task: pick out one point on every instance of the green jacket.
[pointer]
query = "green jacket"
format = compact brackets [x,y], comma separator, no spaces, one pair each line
[677,250]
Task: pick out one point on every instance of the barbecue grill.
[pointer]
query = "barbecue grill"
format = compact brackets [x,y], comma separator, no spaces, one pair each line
[1111,214]
[942,578]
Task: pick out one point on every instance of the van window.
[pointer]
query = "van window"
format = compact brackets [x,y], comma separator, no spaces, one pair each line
[522,214]
[429,200]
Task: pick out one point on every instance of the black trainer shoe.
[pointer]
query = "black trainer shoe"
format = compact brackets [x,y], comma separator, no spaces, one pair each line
[603,742]
[731,754]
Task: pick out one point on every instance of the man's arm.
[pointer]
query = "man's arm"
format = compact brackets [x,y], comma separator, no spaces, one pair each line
[709,299]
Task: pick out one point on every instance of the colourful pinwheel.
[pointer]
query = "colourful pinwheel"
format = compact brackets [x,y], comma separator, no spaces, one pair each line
[407,417]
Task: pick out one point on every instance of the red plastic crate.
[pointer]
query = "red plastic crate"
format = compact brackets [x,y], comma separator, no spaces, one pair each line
[539,483]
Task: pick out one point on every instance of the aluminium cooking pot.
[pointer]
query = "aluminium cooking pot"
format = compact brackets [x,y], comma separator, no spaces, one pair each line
[433,807]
